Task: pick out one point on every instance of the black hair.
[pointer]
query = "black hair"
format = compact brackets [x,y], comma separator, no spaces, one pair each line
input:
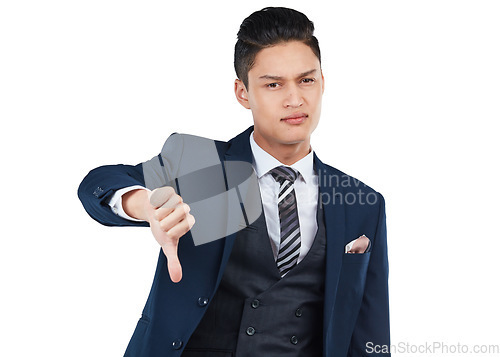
[268,27]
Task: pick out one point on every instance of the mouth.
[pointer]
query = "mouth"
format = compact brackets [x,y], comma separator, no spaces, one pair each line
[297,118]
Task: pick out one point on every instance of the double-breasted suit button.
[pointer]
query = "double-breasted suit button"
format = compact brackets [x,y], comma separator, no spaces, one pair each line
[203,301]
[177,344]
[255,303]
[250,331]
[298,312]
[294,340]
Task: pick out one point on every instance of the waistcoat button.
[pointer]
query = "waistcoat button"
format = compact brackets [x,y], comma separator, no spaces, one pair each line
[202,301]
[255,303]
[250,331]
[298,312]
[177,344]
[294,340]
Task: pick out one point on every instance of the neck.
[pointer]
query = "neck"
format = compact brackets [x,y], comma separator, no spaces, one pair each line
[287,154]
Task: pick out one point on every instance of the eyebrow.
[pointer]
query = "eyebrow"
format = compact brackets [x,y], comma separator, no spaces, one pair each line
[279,78]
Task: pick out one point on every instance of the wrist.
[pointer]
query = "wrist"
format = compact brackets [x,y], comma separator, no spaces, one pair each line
[135,204]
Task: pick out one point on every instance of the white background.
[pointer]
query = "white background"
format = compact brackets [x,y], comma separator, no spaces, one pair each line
[411,108]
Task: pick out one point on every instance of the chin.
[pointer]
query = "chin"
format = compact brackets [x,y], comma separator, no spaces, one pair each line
[294,139]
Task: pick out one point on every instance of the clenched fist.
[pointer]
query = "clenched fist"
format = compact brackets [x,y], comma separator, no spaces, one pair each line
[169,219]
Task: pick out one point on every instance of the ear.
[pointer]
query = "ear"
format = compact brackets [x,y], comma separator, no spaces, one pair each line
[241,93]
[322,82]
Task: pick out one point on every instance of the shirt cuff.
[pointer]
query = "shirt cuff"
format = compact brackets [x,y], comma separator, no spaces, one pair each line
[116,202]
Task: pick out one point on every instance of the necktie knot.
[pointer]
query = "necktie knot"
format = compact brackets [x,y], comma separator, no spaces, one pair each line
[284,173]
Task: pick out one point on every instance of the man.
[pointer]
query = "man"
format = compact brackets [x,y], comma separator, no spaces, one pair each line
[308,277]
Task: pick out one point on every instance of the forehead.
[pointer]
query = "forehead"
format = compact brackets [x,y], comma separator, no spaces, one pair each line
[284,60]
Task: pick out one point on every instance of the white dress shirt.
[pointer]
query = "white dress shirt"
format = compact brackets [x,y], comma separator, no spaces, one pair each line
[306,193]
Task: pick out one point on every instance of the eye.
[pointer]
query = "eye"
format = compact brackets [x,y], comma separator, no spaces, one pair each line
[272,85]
[307,80]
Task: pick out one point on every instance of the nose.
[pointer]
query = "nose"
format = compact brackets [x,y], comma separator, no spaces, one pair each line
[293,98]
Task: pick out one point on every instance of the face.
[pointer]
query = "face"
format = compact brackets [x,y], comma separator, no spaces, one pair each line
[285,89]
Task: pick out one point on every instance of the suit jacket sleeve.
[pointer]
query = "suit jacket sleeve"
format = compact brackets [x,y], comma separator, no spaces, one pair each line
[100,184]
[371,332]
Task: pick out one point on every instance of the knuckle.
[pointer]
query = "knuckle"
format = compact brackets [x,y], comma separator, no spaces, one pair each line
[168,189]
[179,209]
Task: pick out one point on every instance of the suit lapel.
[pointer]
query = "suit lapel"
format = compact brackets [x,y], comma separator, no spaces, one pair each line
[335,231]
[238,150]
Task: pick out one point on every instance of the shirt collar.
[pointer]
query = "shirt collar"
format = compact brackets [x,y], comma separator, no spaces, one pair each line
[263,162]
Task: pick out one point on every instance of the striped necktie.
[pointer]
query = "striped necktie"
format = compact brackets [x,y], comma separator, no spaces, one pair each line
[289,248]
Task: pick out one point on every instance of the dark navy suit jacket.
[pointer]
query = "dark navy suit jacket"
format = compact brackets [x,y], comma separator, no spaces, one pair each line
[356,305]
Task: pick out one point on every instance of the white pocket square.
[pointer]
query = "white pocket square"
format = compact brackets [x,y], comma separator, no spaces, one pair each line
[360,245]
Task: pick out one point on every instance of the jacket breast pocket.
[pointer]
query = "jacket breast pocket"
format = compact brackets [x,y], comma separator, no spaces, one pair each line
[354,258]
